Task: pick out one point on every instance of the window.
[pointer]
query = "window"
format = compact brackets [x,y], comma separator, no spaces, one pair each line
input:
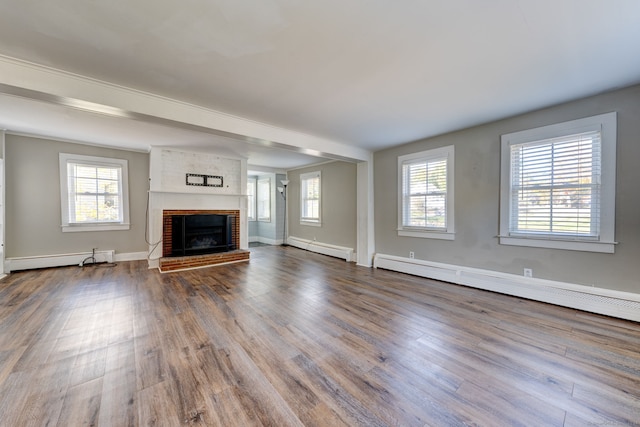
[558,185]
[264,200]
[310,196]
[93,193]
[251,199]
[425,194]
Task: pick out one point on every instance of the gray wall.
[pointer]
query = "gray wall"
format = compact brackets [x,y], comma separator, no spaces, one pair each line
[477,192]
[338,205]
[33,200]
[253,229]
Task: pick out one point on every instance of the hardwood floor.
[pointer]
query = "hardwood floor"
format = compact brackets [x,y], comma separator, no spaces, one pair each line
[294,338]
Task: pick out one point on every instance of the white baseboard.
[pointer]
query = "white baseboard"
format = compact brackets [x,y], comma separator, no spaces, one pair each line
[267,241]
[625,305]
[60,260]
[56,260]
[131,256]
[322,248]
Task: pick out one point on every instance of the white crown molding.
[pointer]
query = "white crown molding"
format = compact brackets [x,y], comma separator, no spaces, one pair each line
[30,80]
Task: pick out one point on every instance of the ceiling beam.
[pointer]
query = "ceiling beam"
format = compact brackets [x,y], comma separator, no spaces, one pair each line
[45,84]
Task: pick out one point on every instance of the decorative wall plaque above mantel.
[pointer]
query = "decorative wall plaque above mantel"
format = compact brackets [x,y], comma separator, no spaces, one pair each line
[204,180]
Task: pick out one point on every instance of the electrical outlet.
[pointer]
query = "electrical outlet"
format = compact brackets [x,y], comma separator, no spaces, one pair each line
[411,255]
[528,272]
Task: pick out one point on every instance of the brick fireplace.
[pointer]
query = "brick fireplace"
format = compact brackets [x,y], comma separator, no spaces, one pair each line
[170,194]
[170,262]
[168,224]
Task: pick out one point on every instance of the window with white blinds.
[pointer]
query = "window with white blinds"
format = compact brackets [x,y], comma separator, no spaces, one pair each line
[426,194]
[93,193]
[251,199]
[558,185]
[310,197]
[264,199]
[555,186]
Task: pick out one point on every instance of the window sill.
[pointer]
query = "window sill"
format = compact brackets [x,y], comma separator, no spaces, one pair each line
[94,227]
[427,234]
[571,245]
[311,223]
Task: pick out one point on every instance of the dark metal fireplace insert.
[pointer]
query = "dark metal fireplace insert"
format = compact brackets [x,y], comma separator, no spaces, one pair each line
[201,234]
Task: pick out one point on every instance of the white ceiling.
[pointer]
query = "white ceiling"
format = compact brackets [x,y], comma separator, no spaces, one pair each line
[367,73]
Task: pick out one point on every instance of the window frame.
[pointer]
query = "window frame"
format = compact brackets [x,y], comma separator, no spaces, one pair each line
[606,124]
[307,220]
[444,233]
[69,226]
[252,208]
[260,192]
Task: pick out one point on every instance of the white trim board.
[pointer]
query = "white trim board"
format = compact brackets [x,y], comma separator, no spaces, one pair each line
[60,260]
[322,248]
[130,256]
[265,240]
[624,305]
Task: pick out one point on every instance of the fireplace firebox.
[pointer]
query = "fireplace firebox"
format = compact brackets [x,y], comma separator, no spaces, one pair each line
[201,234]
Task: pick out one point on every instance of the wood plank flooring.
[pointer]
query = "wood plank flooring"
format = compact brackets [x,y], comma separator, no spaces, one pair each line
[293,338]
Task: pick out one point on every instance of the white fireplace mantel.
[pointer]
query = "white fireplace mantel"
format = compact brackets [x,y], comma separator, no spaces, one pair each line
[169,191]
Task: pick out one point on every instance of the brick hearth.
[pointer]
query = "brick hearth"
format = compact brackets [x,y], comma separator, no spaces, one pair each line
[197,261]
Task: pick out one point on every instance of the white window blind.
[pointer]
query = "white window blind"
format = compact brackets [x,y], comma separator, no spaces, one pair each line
[555,186]
[251,199]
[310,197]
[95,193]
[264,200]
[424,193]
[558,185]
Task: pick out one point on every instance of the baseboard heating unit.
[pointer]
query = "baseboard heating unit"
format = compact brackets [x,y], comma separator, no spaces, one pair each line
[323,248]
[624,305]
[57,260]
